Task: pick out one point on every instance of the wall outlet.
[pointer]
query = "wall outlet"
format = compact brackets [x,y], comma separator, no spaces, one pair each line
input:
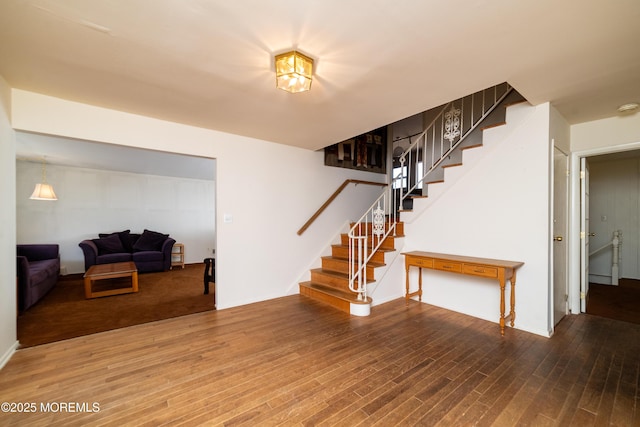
[63,270]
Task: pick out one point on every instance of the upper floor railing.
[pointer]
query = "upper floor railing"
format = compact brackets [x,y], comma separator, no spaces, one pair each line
[446,131]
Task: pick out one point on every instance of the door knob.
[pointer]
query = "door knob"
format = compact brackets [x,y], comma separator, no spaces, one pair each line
[592,234]
[558,238]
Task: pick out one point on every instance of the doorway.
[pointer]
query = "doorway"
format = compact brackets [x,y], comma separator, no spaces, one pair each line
[582,237]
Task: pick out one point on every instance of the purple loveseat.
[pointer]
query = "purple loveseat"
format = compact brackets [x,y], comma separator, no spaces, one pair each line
[150,251]
[38,268]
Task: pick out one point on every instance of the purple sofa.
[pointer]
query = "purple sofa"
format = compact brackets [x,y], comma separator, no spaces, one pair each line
[38,268]
[150,251]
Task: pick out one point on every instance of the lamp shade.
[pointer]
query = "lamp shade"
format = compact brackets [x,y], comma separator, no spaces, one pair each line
[293,72]
[43,192]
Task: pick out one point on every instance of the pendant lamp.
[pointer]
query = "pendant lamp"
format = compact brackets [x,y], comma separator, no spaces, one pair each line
[43,191]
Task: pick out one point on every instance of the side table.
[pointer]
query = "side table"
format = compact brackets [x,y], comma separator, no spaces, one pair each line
[177,255]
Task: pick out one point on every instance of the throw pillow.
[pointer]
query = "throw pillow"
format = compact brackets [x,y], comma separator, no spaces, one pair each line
[109,245]
[150,241]
[124,238]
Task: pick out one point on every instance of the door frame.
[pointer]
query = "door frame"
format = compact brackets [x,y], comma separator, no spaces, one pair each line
[575,213]
[563,230]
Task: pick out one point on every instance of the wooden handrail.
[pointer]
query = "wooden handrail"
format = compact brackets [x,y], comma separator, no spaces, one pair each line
[332,198]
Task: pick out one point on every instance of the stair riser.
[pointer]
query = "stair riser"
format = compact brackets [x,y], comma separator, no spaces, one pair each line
[388,243]
[343,253]
[334,282]
[342,266]
[327,280]
[369,226]
[326,298]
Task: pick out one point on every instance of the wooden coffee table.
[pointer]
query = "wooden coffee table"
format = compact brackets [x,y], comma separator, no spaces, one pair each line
[110,271]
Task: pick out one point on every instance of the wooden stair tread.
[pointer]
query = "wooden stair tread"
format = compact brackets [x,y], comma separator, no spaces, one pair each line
[452,165]
[340,259]
[467,147]
[494,125]
[338,245]
[336,293]
[335,274]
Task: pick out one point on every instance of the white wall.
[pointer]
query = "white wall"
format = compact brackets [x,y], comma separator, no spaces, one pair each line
[498,208]
[606,135]
[265,190]
[8,337]
[94,201]
[614,200]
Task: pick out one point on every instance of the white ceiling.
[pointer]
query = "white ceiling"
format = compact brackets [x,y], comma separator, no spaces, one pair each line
[209,63]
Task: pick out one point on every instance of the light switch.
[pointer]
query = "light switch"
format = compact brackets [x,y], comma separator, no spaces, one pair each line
[228,218]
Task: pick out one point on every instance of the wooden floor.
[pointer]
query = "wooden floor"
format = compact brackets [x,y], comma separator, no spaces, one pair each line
[291,361]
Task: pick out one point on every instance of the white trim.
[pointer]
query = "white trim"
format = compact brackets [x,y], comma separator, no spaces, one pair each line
[7,355]
[574,216]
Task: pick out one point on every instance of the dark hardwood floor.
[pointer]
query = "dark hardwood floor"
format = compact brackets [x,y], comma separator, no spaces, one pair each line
[292,361]
[620,302]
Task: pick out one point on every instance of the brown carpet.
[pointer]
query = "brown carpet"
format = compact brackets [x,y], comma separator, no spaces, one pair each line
[620,302]
[65,313]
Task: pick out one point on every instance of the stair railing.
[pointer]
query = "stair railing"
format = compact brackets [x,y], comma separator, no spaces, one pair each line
[366,236]
[331,198]
[445,133]
[615,244]
[451,126]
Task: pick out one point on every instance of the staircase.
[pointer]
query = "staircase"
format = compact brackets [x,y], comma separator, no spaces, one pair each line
[330,282]
[342,279]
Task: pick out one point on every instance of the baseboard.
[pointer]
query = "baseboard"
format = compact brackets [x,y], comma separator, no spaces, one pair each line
[7,355]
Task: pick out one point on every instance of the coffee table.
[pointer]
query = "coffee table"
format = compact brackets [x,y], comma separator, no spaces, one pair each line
[110,271]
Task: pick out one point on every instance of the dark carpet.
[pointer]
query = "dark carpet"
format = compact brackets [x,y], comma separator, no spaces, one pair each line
[65,313]
[620,302]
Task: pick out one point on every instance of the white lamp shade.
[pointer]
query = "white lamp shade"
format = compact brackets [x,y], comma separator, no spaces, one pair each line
[43,192]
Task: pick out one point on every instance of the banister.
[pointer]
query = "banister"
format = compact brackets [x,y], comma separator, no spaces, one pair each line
[332,198]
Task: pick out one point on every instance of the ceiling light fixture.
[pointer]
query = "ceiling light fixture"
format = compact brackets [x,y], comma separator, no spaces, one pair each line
[628,107]
[293,72]
[43,191]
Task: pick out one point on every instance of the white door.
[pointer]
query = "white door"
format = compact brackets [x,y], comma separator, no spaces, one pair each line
[584,234]
[560,219]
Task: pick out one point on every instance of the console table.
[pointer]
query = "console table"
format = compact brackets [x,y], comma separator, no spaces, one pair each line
[497,269]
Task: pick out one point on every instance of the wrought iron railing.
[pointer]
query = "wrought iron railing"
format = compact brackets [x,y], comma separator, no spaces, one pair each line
[450,127]
[366,236]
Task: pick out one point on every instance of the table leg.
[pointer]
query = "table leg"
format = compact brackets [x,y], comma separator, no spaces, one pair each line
[87,287]
[420,284]
[134,281]
[406,295]
[502,286]
[513,298]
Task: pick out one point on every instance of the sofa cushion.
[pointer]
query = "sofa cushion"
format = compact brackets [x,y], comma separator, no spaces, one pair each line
[110,244]
[111,258]
[150,241]
[39,271]
[133,238]
[125,238]
[147,256]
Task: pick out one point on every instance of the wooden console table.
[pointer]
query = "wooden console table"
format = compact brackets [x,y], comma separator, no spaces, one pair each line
[497,269]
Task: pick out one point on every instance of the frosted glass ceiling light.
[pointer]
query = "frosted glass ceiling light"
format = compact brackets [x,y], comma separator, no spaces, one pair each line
[293,72]
[43,191]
